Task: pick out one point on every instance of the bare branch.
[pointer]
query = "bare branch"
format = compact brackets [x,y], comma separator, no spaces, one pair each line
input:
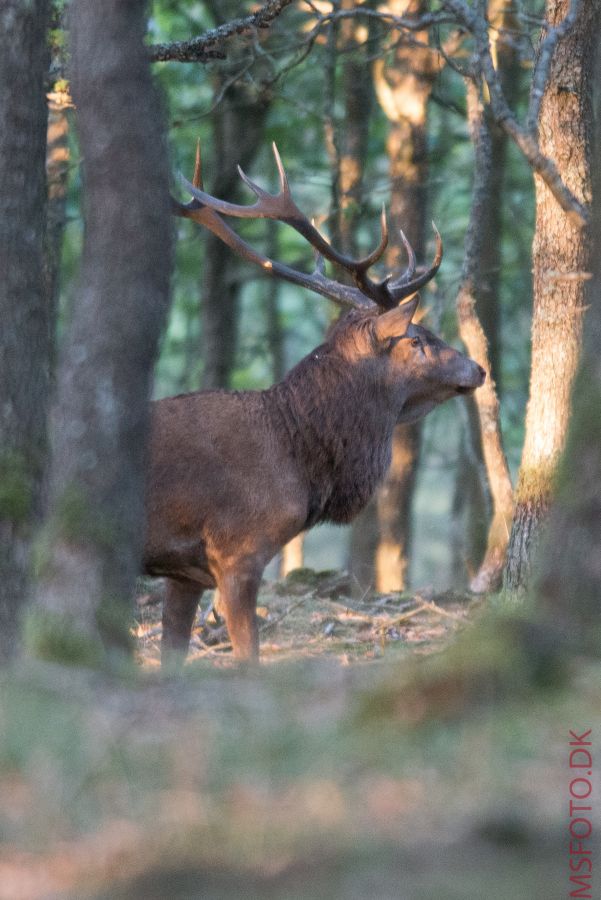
[209,45]
[405,23]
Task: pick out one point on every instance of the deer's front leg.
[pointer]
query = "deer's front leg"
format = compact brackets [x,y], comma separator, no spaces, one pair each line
[179,610]
[238,588]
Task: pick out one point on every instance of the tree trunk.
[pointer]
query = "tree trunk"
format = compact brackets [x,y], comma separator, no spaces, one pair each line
[293,552]
[57,169]
[238,122]
[381,538]
[238,125]
[292,555]
[474,338]
[561,261]
[24,340]
[471,508]
[357,91]
[504,31]
[93,538]
[569,572]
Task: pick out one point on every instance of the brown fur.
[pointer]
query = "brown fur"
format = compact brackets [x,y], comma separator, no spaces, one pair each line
[235,475]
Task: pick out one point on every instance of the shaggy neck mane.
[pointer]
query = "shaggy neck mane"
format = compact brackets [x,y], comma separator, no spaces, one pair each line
[340,431]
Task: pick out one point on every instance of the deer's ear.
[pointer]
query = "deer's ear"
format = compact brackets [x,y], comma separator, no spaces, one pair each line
[395,322]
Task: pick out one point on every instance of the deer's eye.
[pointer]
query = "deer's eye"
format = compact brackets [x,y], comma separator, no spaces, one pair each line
[416,342]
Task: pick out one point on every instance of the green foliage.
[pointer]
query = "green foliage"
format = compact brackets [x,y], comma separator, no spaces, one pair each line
[296,121]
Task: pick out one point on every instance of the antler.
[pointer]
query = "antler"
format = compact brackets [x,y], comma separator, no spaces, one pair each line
[385,294]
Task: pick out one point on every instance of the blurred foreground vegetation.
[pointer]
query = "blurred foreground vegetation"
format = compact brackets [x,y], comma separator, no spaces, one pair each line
[422,765]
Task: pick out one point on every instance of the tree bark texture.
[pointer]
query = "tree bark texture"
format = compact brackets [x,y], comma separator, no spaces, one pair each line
[24,311]
[92,541]
[473,336]
[471,509]
[568,584]
[381,537]
[561,263]
[504,31]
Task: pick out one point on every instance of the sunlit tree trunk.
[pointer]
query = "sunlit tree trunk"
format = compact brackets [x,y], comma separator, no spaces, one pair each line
[381,536]
[90,553]
[561,264]
[57,168]
[24,312]
[569,571]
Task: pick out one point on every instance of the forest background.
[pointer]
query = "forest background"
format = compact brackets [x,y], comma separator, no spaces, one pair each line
[479,116]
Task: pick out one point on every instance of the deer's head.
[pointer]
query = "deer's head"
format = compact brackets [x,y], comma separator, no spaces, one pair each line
[416,368]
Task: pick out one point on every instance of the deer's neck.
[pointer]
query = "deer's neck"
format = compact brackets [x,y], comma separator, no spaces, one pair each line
[339,427]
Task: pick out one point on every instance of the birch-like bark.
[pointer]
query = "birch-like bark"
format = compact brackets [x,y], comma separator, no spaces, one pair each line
[561,266]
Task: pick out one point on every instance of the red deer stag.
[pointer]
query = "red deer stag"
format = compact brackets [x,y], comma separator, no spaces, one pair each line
[235,475]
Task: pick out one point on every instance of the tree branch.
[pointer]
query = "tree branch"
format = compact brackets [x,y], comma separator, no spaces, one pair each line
[525,139]
[210,44]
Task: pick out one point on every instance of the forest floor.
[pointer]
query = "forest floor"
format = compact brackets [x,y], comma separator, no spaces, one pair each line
[313,614]
[392,746]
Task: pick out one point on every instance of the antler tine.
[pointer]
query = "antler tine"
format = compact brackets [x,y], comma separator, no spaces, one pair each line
[411,264]
[257,191]
[282,207]
[284,186]
[385,293]
[197,177]
[399,290]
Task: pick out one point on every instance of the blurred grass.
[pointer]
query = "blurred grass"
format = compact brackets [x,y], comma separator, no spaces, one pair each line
[433,777]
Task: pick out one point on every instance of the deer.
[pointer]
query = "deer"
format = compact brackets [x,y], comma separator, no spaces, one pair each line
[234,475]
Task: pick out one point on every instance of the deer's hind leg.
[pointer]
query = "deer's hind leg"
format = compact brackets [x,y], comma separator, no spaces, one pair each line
[179,611]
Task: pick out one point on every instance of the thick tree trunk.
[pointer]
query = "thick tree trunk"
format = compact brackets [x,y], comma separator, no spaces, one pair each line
[381,538]
[93,538]
[24,312]
[561,252]
[569,572]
